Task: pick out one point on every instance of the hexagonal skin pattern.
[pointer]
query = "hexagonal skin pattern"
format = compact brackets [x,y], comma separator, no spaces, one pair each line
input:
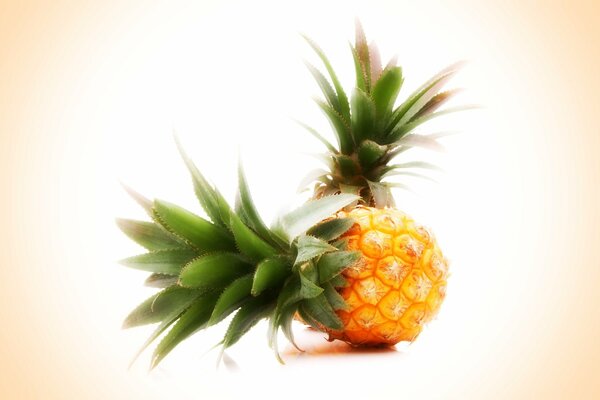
[398,284]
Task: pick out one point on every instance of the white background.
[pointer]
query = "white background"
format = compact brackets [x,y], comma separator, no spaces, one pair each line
[228,77]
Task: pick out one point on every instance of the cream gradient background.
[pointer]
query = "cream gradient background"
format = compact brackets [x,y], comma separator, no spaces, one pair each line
[91,91]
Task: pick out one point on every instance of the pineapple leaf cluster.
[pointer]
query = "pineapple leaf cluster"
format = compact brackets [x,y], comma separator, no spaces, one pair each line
[371,130]
[232,263]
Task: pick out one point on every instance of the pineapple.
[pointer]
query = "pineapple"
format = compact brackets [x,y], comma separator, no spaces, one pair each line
[399,282]
[346,262]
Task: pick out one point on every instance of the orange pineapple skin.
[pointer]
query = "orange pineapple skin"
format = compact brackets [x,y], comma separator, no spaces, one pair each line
[396,286]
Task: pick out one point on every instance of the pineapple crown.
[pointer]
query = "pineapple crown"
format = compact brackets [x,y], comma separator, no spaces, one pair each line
[208,269]
[370,129]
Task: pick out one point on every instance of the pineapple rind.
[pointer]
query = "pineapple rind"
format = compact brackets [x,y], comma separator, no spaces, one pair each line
[396,286]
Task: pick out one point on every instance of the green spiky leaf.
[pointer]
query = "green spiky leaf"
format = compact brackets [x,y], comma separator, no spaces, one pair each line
[386,90]
[248,315]
[247,210]
[232,297]
[336,301]
[248,242]
[287,317]
[306,216]
[359,72]
[310,247]
[347,165]
[363,116]
[326,88]
[160,306]
[435,103]
[341,95]
[148,234]
[193,319]
[308,289]
[290,293]
[319,310]
[422,95]
[319,137]
[167,262]
[197,231]
[369,153]
[340,126]
[269,273]
[214,270]
[402,130]
[332,264]
[332,229]
[362,52]
[210,199]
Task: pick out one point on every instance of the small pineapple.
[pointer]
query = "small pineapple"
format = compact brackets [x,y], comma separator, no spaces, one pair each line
[399,282]
[346,262]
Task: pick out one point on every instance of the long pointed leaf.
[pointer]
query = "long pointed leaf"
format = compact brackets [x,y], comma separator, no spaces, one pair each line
[300,220]
[248,315]
[167,262]
[286,320]
[319,309]
[369,152]
[208,197]
[213,270]
[248,242]
[408,127]
[310,247]
[271,272]
[326,88]
[422,95]
[197,231]
[436,102]
[245,204]
[309,289]
[342,98]
[332,264]
[148,234]
[363,116]
[361,80]
[336,300]
[231,298]
[193,319]
[386,91]
[332,229]
[160,306]
[319,137]
[340,126]
[362,51]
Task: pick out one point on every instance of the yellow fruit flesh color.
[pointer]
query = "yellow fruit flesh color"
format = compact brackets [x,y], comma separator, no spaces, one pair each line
[398,284]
